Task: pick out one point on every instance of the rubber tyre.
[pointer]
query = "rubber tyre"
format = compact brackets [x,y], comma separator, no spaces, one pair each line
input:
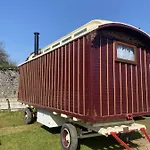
[72,132]
[28,116]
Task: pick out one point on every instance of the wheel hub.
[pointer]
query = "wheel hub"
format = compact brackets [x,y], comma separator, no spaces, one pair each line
[66,138]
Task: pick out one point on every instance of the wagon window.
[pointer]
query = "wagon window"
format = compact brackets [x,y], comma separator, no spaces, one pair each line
[125,52]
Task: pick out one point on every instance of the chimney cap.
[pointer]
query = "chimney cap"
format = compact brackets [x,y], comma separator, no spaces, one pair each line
[36,33]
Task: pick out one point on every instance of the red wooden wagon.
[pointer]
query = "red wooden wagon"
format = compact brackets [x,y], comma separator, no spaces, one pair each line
[97,76]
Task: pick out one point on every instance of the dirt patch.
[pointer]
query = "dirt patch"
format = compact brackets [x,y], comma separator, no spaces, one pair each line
[143,144]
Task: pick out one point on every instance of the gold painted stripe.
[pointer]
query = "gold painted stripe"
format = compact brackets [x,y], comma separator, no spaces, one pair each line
[73,75]
[146,84]
[84,75]
[137,90]
[114,76]
[48,66]
[65,78]
[120,78]
[78,75]
[107,78]
[141,79]
[132,88]
[55,79]
[58,77]
[126,87]
[61,91]
[69,77]
[101,108]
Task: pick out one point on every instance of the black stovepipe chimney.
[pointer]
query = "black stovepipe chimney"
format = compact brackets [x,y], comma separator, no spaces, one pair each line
[36,43]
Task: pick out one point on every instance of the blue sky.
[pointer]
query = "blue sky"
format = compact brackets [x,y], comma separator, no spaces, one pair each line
[55,18]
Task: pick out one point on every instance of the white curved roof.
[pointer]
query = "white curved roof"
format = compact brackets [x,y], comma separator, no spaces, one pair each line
[90,26]
[76,33]
[71,36]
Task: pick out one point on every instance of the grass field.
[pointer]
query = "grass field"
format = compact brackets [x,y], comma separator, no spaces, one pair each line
[14,135]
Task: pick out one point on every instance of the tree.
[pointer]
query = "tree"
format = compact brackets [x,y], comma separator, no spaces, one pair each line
[5,62]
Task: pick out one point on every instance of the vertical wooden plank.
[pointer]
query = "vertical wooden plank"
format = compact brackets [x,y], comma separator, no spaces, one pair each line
[141,71]
[60,57]
[117,78]
[148,74]
[37,81]
[78,75]
[39,85]
[132,88]
[81,76]
[84,41]
[41,79]
[32,78]
[48,67]
[46,80]
[51,83]
[137,92]
[114,76]
[69,97]
[25,81]
[120,78]
[58,78]
[129,89]
[146,84]
[30,83]
[73,76]
[43,88]
[126,79]
[75,82]
[55,75]
[107,77]
[26,77]
[61,94]
[65,78]
[111,83]
[23,78]
[101,100]
[44,74]
[104,76]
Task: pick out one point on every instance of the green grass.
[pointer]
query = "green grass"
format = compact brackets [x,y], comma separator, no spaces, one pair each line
[14,135]
[11,118]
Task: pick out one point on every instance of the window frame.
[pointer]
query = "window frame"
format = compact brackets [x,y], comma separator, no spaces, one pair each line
[126,60]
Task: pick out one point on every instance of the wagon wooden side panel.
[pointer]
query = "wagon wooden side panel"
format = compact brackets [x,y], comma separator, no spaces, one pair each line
[59,80]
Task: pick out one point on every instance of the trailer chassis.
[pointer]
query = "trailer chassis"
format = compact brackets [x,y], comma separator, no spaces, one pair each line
[74,128]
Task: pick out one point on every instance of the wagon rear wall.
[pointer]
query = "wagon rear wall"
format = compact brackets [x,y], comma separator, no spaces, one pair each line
[83,78]
[119,88]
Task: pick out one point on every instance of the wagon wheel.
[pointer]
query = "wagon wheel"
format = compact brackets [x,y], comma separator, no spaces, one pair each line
[69,138]
[28,116]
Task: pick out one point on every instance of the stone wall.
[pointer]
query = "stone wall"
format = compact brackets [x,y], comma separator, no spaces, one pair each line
[8,83]
[9,90]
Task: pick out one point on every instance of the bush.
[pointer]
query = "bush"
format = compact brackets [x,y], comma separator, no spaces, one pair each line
[5,62]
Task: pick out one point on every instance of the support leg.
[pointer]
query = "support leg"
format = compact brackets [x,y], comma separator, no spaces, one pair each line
[145,133]
[120,141]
